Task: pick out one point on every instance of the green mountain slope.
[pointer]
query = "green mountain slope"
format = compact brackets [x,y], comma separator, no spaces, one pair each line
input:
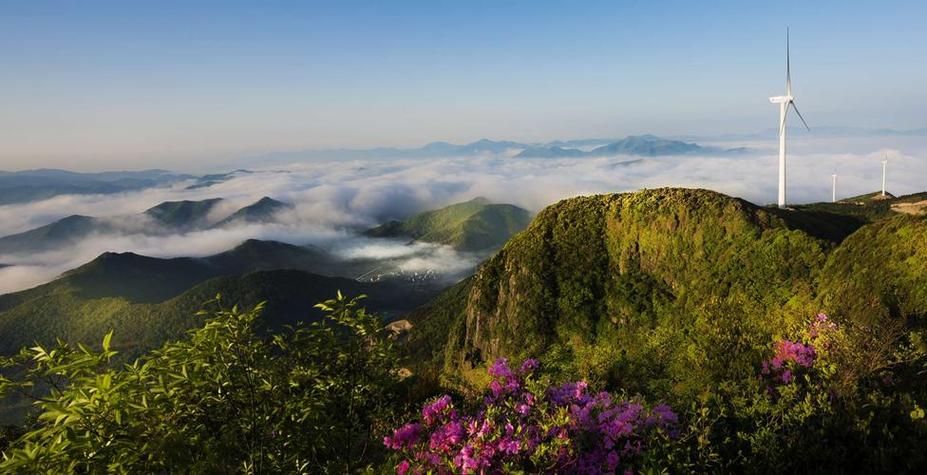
[99,290]
[148,279]
[470,226]
[668,291]
[869,207]
[71,312]
[665,282]
[878,276]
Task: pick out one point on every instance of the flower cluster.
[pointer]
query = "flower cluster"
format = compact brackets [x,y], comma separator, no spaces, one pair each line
[792,357]
[524,426]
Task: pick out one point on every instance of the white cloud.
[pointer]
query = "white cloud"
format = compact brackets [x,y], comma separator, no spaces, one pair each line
[335,197]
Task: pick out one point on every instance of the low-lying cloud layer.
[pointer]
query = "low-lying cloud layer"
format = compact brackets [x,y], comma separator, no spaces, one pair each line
[334,199]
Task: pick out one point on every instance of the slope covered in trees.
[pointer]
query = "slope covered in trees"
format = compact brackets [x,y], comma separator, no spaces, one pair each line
[666,290]
[475,225]
[150,299]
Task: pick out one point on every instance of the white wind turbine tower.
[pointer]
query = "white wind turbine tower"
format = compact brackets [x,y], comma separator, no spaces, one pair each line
[785,102]
[833,192]
[884,163]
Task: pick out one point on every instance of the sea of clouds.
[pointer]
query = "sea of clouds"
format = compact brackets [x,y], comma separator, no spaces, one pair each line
[335,199]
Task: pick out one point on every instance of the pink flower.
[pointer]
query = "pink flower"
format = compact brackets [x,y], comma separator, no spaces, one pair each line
[566,426]
[403,437]
[431,411]
[528,366]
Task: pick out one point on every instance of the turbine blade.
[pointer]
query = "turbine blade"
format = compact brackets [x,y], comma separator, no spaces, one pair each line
[795,108]
[788,64]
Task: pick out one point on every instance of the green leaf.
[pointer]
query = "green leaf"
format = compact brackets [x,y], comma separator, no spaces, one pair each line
[106,340]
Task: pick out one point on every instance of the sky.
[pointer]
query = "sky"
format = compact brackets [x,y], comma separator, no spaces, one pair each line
[192,85]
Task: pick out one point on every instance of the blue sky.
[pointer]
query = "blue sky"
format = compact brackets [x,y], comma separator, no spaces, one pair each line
[144,83]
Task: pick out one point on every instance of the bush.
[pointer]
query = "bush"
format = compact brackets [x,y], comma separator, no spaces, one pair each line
[226,400]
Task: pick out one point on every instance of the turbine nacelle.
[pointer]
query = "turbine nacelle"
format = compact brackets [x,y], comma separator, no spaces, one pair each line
[781,99]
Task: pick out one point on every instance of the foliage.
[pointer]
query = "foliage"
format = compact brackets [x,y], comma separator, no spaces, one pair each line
[800,416]
[226,400]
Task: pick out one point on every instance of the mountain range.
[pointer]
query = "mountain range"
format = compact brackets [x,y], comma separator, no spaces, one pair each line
[166,217]
[117,290]
[148,300]
[643,145]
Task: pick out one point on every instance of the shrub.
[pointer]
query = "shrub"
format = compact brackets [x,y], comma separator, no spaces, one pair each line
[226,400]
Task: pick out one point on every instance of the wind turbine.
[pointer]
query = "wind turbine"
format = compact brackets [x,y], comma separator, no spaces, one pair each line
[833,192]
[785,102]
[884,163]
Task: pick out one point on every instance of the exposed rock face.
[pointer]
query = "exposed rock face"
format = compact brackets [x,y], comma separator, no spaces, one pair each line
[398,327]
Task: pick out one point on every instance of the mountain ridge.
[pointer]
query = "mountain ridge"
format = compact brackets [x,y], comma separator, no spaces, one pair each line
[474,225]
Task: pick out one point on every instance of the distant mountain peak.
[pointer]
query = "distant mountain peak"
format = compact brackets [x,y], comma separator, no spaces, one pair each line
[183,214]
[475,225]
[262,211]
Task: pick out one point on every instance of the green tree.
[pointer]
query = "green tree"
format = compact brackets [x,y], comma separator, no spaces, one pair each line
[228,399]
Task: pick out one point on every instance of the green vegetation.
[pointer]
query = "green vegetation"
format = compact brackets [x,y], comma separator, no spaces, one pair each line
[655,280]
[318,399]
[227,399]
[666,292]
[149,300]
[70,309]
[474,225]
[878,276]
[865,208]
